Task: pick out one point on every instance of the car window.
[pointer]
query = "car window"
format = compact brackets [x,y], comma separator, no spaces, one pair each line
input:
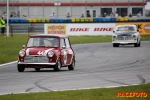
[125,28]
[43,41]
[55,42]
[67,43]
[63,42]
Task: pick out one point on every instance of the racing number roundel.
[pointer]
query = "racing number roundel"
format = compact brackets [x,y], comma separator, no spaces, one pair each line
[65,57]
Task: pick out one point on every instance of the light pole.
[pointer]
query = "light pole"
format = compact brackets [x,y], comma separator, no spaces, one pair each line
[7,19]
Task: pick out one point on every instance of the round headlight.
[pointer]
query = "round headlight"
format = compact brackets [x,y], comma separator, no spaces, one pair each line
[50,54]
[114,37]
[134,36]
[21,53]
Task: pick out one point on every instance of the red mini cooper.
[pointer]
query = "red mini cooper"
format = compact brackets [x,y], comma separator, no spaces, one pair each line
[46,51]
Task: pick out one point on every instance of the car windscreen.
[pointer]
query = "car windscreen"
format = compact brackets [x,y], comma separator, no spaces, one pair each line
[43,41]
[125,28]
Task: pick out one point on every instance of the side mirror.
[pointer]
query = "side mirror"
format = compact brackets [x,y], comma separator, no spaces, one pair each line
[23,46]
[63,47]
[113,31]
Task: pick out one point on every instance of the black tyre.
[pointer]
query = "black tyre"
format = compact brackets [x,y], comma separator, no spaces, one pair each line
[139,44]
[21,68]
[57,67]
[136,45]
[37,69]
[72,66]
[115,45]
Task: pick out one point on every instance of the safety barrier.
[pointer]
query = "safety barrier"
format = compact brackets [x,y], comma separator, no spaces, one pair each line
[77,20]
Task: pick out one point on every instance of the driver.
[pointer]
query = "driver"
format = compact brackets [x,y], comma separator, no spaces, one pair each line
[55,42]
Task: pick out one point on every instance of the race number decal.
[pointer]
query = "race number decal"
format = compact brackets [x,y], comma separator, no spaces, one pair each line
[65,57]
[40,53]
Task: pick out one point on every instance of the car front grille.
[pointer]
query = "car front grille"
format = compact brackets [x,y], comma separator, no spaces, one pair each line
[36,59]
[124,37]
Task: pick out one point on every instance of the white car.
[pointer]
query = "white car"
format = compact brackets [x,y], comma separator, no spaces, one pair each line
[126,35]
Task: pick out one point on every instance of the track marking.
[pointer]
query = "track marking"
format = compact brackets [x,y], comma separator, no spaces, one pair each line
[2,65]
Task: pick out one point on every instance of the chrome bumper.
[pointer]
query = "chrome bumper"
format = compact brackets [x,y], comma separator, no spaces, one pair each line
[24,63]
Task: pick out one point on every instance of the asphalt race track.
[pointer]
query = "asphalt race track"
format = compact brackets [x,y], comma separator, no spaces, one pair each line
[97,65]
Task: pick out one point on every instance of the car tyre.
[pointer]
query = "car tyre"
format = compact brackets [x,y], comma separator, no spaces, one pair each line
[37,69]
[136,45]
[57,67]
[21,68]
[115,45]
[139,44]
[72,66]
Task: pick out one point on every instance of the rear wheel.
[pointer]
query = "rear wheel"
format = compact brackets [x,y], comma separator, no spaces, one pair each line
[37,69]
[57,67]
[72,66]
[21,68]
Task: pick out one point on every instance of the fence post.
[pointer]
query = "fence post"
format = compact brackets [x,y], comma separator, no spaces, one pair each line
[11,30]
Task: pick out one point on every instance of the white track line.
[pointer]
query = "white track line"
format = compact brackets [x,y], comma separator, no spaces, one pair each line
[73,89]
[2,65]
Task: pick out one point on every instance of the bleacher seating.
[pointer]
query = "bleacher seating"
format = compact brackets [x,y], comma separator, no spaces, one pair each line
[78,20]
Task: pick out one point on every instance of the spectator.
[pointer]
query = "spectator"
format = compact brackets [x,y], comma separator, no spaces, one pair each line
[68,15]
[2,25]
[18,14]
[104,15]
[52,15]
[116,14]
[82,15]
[139,14]
[12,14]
[4,14]
[130,15]
[88,14]
[112,14]
[123,15]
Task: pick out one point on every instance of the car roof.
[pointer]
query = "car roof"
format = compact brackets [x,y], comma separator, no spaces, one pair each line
[49,35]
[126,25]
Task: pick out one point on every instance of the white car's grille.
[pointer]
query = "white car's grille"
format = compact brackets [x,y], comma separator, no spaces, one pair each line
[124,37]
[36,59]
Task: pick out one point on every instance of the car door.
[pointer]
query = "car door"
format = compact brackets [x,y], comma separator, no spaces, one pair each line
[63,54]
[68,51]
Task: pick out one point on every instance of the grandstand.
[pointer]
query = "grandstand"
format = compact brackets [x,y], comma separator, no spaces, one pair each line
[37,12]
[75,8]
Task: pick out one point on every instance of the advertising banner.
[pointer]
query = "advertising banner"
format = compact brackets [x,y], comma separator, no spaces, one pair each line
[90,29]
[55,29]
[80,29]
[143,27]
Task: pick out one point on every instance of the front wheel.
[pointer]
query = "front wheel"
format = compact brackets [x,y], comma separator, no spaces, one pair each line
[72,66]
[37,69]
[115,45]
[57,67]
[136,45]
[139,44]
[21,68]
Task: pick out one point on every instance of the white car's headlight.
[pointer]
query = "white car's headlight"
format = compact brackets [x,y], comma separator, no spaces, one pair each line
[22,53]
[114,37]
[50,54]
[134,37]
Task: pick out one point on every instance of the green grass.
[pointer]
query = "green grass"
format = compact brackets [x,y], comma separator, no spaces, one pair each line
[88,94]
[10,46]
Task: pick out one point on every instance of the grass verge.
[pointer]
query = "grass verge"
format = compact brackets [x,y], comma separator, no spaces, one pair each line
[88,94]
[10,46]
